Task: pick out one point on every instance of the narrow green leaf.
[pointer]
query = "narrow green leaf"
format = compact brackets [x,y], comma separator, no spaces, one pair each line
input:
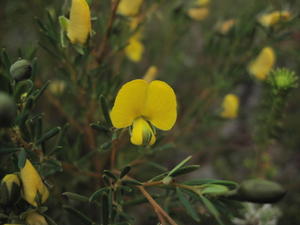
[182,163]
[105,210]
[50,220]
[75,196]
[21,159]
[125,171]
[83,218]
[211,208]
[131,182]
[185,170]
[187,205]
[105,110]
[110,174]
[97,194]
[8,150]
[49,134]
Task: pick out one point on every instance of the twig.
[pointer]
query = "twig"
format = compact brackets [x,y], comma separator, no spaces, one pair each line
[102,48]
[156,207]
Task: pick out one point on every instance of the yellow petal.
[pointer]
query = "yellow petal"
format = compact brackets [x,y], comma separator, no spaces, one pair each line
[134,50]
[79,26]
[9,180]
[150,74]
[160,106]
[230,106]
[129,103]
[32,185]
[263,64]
[142,133]
[270,19]
[198,13]
[34,218]
[129,7]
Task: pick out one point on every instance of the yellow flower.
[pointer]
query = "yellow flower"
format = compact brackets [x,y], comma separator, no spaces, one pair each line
[226,26]
[230,106]
[34,218]
[142,105]
[270,19]
[9,189]
[129,7]
[150,74]
[57,87]
[9,180]
[79,26]
[198,13]
[262,65]
[135,48]
[34,189]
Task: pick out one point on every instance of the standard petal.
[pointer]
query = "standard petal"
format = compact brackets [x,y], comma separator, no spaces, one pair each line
[32,184]
[79,26]
[129,103]
[160,105]
[142,133]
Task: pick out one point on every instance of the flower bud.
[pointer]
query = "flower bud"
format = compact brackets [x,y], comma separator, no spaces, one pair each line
[9,189]
[230,106]
[260,191]
[34,190]
[21,70]
[8,110]
[283,79]
[35,218]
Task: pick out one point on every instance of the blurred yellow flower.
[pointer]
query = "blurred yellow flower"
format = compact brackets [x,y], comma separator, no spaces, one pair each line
[270,19]
[34,189]
[34,218]
[129,7]
[9,180]
[142,105]
[135,48]
[79,26]
[57,87]
[150,74]
[230,106]
[262,65]
[198,13]
[202,2]
[226,26]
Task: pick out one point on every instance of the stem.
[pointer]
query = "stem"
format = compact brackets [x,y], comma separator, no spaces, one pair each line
[157,209]
[103,46]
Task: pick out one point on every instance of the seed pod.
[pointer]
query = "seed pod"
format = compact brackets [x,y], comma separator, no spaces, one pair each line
[260,191]
[8,110]
[21,70]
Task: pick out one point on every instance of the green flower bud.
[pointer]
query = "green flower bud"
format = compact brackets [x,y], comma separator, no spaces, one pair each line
[283,79]
[8,110]
[9,189]
[21,70]
[260,191]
